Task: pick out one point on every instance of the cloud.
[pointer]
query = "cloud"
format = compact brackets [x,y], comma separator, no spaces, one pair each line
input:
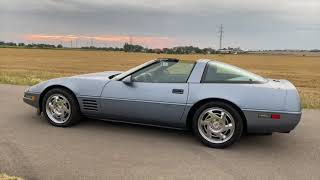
[150,41]
[249,24]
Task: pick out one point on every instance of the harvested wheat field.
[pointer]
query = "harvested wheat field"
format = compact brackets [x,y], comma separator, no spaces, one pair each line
[30,66]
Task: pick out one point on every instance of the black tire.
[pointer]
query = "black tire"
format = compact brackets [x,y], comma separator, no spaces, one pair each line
[75,115]
[232,111]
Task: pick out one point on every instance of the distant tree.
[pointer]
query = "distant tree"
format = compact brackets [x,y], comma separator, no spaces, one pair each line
[132,48]
[29,46]
[59,46]
[21,44]
[11,44]
[127,47]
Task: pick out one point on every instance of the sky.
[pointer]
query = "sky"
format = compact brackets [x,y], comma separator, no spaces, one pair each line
[249,24]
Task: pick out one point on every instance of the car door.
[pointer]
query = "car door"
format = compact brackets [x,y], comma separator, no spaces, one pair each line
[153,95]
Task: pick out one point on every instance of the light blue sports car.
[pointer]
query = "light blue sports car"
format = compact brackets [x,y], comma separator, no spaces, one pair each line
[219,102]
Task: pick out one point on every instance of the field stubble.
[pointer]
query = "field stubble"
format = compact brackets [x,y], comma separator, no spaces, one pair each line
[30,66]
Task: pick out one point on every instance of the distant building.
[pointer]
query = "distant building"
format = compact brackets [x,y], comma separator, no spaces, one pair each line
[230,50]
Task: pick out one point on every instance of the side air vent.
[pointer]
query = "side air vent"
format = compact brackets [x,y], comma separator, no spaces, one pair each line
[90,105]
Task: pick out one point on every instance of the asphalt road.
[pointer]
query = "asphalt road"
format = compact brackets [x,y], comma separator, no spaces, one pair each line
[33,149]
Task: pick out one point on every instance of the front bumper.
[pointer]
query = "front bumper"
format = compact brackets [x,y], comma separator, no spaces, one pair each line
[258,121]
[31,98]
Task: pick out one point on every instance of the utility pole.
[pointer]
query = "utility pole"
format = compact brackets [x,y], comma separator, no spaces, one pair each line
[221,35]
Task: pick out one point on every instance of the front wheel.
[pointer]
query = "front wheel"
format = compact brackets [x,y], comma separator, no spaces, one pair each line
[61,108]
[217,124]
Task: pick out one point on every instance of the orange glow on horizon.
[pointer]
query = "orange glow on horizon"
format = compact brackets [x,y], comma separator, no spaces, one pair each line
[150,41]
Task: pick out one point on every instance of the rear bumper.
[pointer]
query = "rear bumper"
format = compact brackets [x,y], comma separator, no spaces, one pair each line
[261,121]
[31,98]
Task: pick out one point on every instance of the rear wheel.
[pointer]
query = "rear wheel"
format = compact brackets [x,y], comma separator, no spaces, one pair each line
[217,124]
[61,108]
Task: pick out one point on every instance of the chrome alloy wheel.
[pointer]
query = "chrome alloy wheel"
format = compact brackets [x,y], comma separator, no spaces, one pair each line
[216,125]
[58,108]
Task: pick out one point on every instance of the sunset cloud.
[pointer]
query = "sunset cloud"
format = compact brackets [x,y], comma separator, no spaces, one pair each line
[150,41]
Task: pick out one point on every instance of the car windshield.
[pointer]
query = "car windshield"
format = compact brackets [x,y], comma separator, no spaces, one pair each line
[130,71]
[218,72]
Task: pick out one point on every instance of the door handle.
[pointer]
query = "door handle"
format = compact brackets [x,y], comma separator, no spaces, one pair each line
[177,91]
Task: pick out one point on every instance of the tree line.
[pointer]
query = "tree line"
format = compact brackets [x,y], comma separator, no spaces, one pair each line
[33,45]
[131,48]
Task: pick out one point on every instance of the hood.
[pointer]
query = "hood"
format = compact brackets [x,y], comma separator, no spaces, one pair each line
[82,85]
[99,75]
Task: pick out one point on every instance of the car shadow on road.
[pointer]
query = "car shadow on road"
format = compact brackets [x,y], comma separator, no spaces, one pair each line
[247,141]
[183,137]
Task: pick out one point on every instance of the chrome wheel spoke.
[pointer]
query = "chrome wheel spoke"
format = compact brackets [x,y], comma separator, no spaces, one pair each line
[228,126]
[56,116]
[65,109]
[221,135]
[208,133]
[216,125]
[58,108]
[205,122]
[56,99]
[51,106]
[223,116]
[213,116]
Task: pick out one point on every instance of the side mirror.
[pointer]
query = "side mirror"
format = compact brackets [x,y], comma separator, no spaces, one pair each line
[127,80]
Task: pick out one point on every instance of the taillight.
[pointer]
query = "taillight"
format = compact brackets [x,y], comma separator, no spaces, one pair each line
[275,116]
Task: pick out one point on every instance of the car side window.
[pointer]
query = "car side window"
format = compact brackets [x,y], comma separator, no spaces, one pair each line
[217,72]
[171,71]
